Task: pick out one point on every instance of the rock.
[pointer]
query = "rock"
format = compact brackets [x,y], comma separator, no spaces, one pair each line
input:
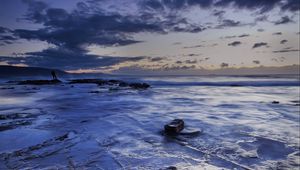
[171,168]
[139,85]
[119,83]
[63,137]
[174,127]
[94,91]
[275,102]
[123,84]
[7,88]
[39,82]
[87,81]
[112,82]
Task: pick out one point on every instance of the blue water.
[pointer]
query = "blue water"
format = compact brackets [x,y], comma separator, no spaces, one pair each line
[123,129]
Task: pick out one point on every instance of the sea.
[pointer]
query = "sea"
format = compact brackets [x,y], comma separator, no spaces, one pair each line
[232,122]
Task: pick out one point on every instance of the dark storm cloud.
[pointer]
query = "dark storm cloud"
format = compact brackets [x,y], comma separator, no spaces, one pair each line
[291,5]
[219,14]
[284,20]
[175,4]
[4,30]
[75,30]
[224,65]
[67,60]
[261,18]
[6,36]
[261,5]
[228,23]
[235,43]
[283,41]
[260,44]
[78,28]
[256,61]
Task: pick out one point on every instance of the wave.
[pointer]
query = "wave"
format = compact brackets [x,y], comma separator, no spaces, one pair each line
[228,83]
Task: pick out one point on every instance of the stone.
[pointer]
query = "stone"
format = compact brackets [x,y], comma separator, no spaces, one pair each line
[275,102]
[139,85]
[174,127]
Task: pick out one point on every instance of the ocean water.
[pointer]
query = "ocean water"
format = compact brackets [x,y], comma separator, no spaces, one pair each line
[67,127]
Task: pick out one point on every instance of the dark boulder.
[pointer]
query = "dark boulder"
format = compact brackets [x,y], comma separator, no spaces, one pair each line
[275,102]
[114,82]
[123,84]
[87,81]
[139,85]
[171,168]
[174,127]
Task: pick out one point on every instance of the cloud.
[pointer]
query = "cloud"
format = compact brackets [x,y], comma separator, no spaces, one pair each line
[71,32]
[228,23]
[286,50]
[191,61]
[278,59]
[260,44]
[283,41]
[156,59]
[260,30]
[284,20]
[256,61]
[177,43]
[77,28]
[195,46]
[244,35]
[261,5]
[291,5]
[235,43]
[184,67]
[236,36]
[277,33]
[67,59]
[192,55]
[224,65]
[6,36]
[4,30]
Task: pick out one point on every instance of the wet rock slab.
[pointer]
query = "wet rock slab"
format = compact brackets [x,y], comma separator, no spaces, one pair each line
[39,82]
[116,83]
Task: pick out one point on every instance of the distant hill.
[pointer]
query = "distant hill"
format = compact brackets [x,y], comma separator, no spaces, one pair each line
[13,71]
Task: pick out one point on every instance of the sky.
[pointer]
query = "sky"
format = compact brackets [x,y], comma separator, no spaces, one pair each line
[118,36]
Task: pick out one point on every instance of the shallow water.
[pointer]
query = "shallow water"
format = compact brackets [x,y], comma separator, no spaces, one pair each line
[68,127]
